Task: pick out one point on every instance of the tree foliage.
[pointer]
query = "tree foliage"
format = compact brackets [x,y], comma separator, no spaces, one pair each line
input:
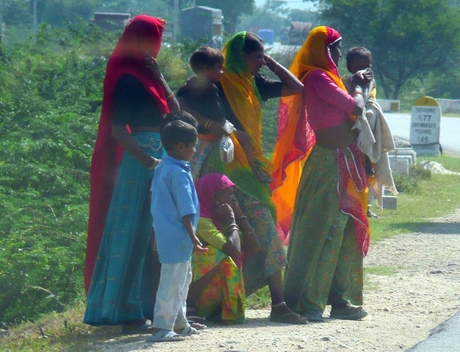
[274,15]
[231,10]
[60,12]
[51,93]
[408,39]
[271,15]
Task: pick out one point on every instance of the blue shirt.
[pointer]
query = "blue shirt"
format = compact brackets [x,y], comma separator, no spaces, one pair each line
[173,197]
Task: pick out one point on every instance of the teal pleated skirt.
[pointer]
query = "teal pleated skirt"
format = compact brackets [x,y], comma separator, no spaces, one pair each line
[122,287]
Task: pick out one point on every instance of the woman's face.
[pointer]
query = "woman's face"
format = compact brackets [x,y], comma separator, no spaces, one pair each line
[336,52]
[226,195]
[255,61]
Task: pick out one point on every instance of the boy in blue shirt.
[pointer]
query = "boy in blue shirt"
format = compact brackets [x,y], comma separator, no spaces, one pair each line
[175,211]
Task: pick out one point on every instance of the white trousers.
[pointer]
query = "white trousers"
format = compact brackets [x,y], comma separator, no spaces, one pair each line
[171,302]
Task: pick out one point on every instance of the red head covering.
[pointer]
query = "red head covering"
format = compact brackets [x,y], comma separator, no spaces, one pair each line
[206,187]
[141,37]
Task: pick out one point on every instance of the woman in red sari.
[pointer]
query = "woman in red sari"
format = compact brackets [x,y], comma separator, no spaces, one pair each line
[128,148]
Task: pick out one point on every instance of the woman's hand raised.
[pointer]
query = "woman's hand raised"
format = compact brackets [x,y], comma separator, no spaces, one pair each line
[152,64]
[225,213]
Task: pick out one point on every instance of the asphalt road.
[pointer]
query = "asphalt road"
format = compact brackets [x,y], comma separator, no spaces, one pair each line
[449,130]
[446,337]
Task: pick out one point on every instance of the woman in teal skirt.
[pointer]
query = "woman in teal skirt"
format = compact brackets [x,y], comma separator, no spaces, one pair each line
[119,267]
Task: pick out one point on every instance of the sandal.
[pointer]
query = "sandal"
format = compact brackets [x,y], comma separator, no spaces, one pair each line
[196,325]
[347,312]
[145,328]
[288,318]
[188,331]
[285,315]
[314,316]
[165,335]
[192,316]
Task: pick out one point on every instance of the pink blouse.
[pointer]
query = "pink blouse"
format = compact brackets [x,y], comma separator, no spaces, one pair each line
[327,104]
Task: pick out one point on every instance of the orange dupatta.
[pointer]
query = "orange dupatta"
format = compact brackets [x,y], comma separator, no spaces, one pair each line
[295,136]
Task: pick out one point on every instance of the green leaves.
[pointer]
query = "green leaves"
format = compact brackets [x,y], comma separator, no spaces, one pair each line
[48,123]
[50,100]
[408,39]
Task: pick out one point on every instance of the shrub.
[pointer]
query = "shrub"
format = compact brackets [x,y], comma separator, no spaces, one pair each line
[410,183]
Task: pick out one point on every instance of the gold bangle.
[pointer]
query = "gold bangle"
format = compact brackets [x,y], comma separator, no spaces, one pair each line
[356,93]
[208,124]
[242,218]
[155,163]
[233,227]
[170,96]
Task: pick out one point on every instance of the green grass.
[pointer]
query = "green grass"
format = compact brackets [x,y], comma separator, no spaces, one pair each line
[434,197]
[451,114]
[381,270]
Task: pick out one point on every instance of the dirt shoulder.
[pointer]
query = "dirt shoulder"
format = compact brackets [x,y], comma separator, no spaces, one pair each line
[419,289]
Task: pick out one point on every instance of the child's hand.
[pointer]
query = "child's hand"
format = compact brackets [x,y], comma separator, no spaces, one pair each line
[198,246]
[363,77]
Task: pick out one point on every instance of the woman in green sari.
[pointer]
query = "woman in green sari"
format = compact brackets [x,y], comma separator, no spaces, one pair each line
[330,233]
[242,90]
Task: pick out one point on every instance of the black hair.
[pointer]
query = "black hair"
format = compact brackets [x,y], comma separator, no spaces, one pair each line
[178,115]
[176,132]
[358,53]
[252,42]
[205,57]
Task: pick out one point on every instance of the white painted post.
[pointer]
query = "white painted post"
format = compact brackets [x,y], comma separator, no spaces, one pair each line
[425,126]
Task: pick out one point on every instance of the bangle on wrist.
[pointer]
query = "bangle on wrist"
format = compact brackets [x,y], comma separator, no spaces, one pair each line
[208,124]
[232,227]
[155,163]
[170,96]
[242,217]
[356,93]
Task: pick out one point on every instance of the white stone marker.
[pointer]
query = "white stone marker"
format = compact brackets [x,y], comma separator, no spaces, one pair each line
[425,126]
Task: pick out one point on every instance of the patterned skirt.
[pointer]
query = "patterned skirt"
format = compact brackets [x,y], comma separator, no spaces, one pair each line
[324,260]
[260,265]
[223,298]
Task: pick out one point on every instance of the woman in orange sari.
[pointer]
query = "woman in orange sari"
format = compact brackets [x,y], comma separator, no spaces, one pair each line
[242,90]
[329,233]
